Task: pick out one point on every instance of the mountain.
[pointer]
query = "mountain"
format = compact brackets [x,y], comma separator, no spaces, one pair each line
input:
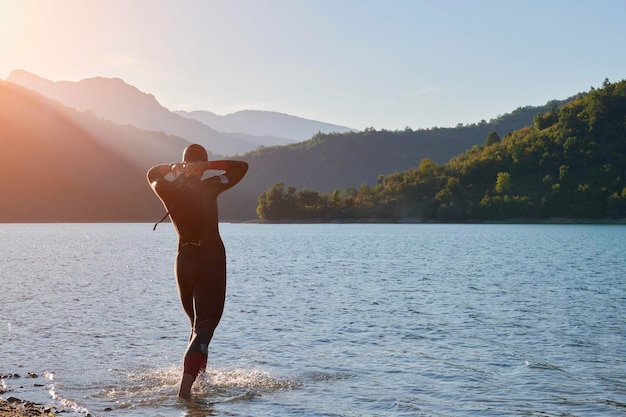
[61,165]
[115,100]
[338,161]
[265,123]
[112,99]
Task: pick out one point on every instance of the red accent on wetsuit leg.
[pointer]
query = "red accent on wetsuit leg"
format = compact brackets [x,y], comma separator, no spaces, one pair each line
[194,363]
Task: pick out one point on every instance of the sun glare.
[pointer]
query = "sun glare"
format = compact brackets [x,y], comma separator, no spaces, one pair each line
[42,37]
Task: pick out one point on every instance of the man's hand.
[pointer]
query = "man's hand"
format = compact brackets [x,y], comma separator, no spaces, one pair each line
[177,168]
[191,169]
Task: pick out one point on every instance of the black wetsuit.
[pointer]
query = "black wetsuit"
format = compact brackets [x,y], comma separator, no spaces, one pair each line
[201,261]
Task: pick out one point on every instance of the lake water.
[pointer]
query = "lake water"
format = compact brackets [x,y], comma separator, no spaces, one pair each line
[322,320]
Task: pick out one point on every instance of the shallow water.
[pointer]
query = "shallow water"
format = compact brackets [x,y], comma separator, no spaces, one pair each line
[322,320]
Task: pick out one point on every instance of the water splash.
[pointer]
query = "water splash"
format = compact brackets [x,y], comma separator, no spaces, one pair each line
[142,388]
[65,402]
[246,378]
[151,387]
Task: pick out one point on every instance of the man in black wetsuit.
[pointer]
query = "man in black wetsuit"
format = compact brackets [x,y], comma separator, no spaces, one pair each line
[191,202]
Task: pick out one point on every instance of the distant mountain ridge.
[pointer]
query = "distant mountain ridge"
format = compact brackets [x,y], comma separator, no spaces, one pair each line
[60,165]
[115,100]
[264,123]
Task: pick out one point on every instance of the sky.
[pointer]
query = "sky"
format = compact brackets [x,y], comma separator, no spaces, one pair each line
[386,64]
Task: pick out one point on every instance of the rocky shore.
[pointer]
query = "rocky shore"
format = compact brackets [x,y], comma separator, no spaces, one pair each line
[14,407]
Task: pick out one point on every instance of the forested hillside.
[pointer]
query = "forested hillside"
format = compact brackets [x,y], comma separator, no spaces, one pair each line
[337,161]
[571,163]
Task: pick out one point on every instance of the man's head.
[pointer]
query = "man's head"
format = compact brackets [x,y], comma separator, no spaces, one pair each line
[195,153]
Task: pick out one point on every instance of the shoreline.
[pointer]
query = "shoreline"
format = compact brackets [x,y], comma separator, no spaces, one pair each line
[15,407]
[12,402]
[361,220]
[548,221]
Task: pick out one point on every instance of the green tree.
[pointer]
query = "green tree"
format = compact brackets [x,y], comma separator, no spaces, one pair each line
[492,138]
[503,182]
[276,203]
[311,204]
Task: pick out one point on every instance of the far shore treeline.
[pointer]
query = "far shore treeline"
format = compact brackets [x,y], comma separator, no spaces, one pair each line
[569,164]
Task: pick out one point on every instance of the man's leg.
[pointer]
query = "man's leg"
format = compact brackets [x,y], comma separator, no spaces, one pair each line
[208,305]
[185,268]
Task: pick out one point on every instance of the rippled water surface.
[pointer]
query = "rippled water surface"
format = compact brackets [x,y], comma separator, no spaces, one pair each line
[322,320]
